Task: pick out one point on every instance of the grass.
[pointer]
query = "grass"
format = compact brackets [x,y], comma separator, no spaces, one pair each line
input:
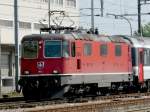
[12,94]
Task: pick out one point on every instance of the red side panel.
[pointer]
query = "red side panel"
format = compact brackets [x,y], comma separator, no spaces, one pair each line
[140,66]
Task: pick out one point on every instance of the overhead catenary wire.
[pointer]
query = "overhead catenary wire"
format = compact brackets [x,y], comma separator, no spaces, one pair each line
[118,4]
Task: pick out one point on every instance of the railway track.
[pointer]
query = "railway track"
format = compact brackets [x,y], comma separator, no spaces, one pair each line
[124,105]
[141,110]
[11,99]
[15,103]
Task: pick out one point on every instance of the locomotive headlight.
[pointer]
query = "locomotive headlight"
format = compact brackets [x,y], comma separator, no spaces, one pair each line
[26,72]
[55,71]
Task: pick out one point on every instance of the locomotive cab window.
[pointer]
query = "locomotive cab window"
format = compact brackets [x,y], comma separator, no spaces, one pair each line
[53,48]
[87,49]
[118,51]
[103,50]
[30,49]
[65,49]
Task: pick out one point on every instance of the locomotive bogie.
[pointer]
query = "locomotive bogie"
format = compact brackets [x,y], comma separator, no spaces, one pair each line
[59,86]
[39,87]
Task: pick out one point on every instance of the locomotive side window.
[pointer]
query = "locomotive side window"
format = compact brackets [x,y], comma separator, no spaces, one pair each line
[65,49]
[87,49]
[30,49]
[118,51]
[52,48]
[73,49]
[103,50]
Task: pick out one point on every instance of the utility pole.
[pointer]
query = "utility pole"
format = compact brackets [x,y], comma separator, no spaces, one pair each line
[0,65]
[139,17]
[102,8]
[16,43]
[92,15]
[49,14]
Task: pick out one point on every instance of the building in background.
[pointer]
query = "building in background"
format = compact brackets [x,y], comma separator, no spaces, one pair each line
[32,15]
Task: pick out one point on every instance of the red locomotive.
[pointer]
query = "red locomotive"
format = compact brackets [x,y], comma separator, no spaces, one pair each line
[57,65]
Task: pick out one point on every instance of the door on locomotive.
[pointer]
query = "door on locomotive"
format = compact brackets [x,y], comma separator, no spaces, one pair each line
[140,65]
[78,48]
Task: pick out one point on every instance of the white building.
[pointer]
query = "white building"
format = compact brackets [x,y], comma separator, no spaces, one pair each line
[32,15]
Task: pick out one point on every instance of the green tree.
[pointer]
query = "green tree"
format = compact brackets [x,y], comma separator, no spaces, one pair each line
[145,30]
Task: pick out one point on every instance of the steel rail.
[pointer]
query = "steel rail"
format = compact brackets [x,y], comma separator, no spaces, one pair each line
[13,103]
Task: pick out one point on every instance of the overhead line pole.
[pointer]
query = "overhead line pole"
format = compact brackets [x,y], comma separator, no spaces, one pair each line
[0,65]
[49,14]
[102,8]
[16,43]
[92,15]
[139,17]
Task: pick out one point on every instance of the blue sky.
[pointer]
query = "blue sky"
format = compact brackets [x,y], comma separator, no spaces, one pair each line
[109,25]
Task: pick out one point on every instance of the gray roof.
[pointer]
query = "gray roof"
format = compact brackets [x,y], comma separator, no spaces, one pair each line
[75,36]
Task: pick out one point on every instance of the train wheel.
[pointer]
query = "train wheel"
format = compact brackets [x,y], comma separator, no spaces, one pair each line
[26,93]
[30,93]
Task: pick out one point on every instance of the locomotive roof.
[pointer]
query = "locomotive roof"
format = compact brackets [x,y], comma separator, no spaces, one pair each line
[74,36]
